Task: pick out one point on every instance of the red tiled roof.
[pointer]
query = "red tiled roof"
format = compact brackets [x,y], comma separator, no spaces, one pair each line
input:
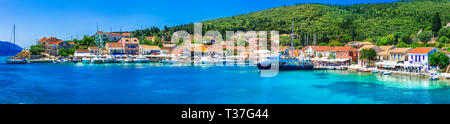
[52,39]
[126,34]
[55,42]
[113,45]
[100,32]
[346,48]
[400,50]
[150,47]
[71,43]
[283,48]
[296,52]
[149,38]
[422,50]
[82,50]
[93,48]
[386,47]
[43,39]
[114,34]
[318,48]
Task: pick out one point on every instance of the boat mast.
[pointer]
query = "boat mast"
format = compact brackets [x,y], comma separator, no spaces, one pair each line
[292,40]
[14,39]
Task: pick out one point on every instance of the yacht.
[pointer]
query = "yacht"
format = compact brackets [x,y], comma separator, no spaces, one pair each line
[15,60]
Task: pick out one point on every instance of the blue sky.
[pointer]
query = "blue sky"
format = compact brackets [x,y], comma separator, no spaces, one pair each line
[65,19]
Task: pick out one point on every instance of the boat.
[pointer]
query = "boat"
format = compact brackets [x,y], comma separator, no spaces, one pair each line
[375,72]
[205,60]
[120,60]
[86,60]
[15,60]
[342,68]
[434,77]
[386,73]
[96,60]
[41,61]
[285,64]
[129,60]
[141,60]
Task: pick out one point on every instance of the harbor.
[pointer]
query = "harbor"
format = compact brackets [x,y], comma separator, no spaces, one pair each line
[159,83]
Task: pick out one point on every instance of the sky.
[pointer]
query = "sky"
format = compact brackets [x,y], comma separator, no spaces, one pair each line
[66,19]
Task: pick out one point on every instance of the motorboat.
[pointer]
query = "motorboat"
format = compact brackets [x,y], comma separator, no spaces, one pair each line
[285,64]
[375,72]
[16,61]
[386,73]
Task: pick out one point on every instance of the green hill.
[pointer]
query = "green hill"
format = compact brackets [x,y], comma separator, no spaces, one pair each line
[335,22]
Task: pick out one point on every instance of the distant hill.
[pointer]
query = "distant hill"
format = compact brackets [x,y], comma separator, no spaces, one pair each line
[334,22]
[5,46]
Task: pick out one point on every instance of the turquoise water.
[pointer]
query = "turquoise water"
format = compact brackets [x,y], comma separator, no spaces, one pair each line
[163,84]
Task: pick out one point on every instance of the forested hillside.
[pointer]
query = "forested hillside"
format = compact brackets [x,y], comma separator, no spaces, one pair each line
[372,22]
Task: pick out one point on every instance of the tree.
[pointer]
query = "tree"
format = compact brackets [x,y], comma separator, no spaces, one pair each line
[425,36]
[147,42]
[416,44]
[436,23]
[439,59]
[369,40]
[63,52]
[334,43]
[444,32]
[157,42]
[37,49]
[402,45]
[368,54]
[323,44]
[444,40]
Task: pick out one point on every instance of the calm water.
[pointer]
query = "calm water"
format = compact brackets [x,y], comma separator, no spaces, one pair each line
[153,83]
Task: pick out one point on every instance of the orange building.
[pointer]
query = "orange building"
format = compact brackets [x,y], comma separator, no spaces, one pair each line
[346,52]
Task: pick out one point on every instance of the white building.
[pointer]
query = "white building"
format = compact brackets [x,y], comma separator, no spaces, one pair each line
[420,56]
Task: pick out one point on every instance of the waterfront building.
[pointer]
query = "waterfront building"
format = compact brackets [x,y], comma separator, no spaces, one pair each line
[399,54]
[385,53]
[80,53]
[316,51]
[115,37]
[114,49]
[346,52]
[42,41]
[53,47]
[421,55]
[199,49]
[215,50]
[94,50]
[168,48]
[150,50]
[130,45]
[364,63]
[357,44]
[384,48]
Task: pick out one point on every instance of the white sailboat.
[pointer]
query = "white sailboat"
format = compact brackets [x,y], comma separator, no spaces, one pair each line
[15,60]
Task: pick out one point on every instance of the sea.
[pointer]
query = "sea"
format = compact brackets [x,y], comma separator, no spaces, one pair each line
[153,83]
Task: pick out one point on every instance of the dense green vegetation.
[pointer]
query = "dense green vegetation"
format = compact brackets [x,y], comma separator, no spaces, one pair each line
[439,59]
[383,23]
[368,54]
[36,49]
[84,43]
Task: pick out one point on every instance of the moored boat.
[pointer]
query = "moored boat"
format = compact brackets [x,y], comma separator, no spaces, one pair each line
[285,64]
[16,61]
[386,73]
